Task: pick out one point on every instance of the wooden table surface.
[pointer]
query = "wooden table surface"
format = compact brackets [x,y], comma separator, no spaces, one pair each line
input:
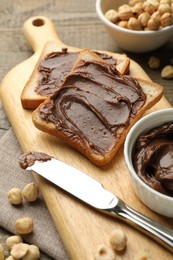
[78,25]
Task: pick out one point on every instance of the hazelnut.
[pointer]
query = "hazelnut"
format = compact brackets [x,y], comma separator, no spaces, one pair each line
[13,240]
[15,196]
[124,12]
[133,24]
[134,2]
[104,252]
[112,15]
[144,18]
[32,253]
[167,72]
[145,254]
[118,240]
[19,250]
[122,24]
[149,8]
[166,19]
[142,10]
[154,62]
[30,192]
[137,9]
[155,3]
[156,15]
[2,254]
[153,24]
[24,225]
[164,8]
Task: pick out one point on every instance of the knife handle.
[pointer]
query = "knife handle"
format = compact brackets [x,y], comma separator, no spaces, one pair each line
[148,226]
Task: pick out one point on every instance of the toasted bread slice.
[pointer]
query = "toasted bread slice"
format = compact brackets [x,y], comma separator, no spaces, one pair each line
[31,97]
[95,108]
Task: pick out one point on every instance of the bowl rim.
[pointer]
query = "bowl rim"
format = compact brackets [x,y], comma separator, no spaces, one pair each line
[128,161]
[133,32]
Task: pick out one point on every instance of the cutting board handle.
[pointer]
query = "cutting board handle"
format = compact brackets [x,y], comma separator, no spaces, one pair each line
[38,30]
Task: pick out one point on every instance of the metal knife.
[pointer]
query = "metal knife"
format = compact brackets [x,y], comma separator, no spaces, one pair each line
[93,193]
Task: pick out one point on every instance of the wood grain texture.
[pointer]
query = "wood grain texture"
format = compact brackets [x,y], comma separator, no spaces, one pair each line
[81,227]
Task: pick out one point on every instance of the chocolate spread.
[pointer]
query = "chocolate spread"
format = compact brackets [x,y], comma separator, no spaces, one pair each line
[94,105]
[55,67]
[153,158]
[28,159]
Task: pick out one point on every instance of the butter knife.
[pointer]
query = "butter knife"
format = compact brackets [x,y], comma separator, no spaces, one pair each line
[93,193]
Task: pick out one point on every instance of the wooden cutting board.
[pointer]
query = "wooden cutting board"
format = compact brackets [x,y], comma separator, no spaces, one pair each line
[81,227]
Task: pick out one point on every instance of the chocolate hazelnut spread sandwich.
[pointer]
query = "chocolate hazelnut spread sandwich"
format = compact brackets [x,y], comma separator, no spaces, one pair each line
[95,107]
[54,65]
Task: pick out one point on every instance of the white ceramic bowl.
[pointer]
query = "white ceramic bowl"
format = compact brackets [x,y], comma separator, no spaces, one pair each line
[130,40]
[155,200]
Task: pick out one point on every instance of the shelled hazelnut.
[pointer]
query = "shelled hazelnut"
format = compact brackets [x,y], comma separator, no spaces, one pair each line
[24,225]
[166,19]
[122,24]
[15,196]
[153,24]
[19,250]
[133,24]
[124,12]
[150,14]
[143,19]
[13,240]
[30,192]
[118,240]
[154,62]
[167,72]
[32,253]
[133,2]
[112,15]
[137,9]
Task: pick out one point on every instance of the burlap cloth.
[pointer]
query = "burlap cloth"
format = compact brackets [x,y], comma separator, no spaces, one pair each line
[45,235]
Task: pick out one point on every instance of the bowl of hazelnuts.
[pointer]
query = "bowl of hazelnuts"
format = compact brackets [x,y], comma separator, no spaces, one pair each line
[137,25]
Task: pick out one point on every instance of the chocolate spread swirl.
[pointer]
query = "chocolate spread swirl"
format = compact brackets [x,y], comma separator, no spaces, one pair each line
[153,158]
[56,66]
[94,106]
[28,159]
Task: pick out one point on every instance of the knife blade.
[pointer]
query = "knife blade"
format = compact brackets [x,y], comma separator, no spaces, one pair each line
[93,193]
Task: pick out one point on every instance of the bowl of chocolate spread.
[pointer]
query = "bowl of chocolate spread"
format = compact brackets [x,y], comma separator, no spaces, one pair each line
[148,152]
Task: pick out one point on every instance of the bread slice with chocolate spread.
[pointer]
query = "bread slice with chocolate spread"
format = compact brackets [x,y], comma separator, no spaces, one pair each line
[53,66]
[95,107]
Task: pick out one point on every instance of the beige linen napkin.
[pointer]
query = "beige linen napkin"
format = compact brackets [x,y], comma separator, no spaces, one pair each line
[45,235]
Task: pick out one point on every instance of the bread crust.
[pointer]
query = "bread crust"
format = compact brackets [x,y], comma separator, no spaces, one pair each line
[153,93]
[31,100]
